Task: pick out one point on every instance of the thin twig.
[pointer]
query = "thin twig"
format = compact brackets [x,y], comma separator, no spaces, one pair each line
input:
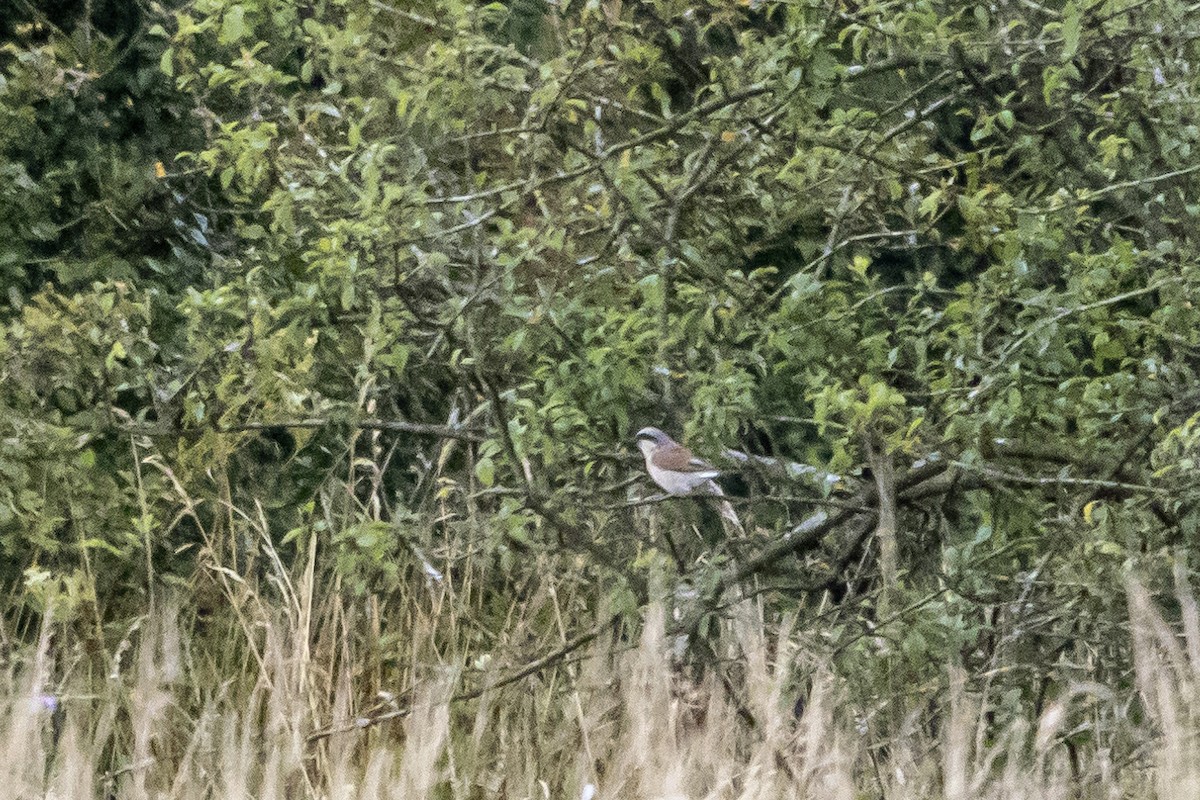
[537,665]
[394,425]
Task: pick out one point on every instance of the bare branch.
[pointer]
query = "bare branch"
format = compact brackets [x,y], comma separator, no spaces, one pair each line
[885,529]
[395,425]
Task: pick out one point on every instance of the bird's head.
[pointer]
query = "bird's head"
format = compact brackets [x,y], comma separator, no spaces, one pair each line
[649,439]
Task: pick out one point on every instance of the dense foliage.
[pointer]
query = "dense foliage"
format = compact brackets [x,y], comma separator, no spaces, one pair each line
[398,282]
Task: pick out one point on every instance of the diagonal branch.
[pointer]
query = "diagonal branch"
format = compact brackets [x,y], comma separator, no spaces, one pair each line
[808,533]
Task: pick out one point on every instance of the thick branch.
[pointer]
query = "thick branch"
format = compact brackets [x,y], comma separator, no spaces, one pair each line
[807,534]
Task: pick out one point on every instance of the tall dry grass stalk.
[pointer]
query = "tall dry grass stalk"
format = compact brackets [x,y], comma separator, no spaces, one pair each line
[1168,678]
[613,723]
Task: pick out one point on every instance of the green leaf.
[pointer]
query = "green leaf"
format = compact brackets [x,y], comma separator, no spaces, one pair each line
[485,471]
[929,205]
[233,26]
[292,535]
[1072,29]
[653,292]
[115,354]
[101,544]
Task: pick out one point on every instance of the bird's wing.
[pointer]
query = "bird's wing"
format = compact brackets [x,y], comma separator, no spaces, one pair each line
[678,458]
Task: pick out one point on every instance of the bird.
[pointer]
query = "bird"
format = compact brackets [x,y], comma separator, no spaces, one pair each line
[673,467]
[679,472]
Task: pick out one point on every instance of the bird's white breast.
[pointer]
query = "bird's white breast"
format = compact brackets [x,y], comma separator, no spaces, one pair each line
[679,482]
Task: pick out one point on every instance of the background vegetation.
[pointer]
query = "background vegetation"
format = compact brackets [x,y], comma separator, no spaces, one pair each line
[326,327]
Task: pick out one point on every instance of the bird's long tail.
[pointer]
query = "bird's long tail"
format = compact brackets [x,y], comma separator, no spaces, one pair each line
[733,525]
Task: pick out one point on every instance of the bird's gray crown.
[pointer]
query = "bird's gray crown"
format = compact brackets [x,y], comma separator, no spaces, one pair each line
[653,434]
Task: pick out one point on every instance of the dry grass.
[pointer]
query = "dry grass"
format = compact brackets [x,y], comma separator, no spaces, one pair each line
[612,723]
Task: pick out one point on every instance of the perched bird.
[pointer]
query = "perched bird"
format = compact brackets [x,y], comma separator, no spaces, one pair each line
[673,467]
